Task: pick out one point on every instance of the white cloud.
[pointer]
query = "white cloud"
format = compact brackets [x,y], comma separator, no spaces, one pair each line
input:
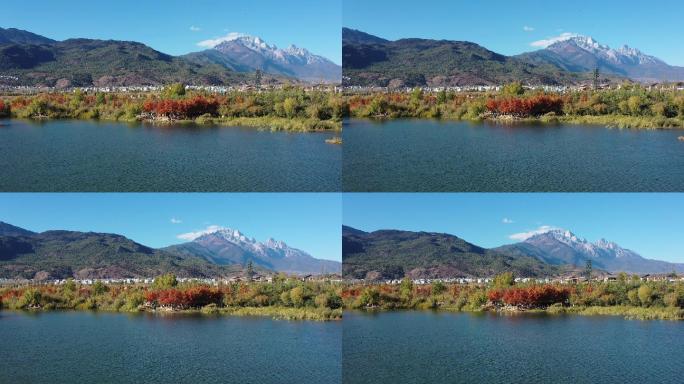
[522,236]
[195,29]
[190,236]
[176,221]
[506,220]
[546,42]
[528,28]
[211,43]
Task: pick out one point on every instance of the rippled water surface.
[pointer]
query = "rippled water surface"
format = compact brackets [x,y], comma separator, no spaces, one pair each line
[92,156]
[428,347]
[428,155]
[84,347]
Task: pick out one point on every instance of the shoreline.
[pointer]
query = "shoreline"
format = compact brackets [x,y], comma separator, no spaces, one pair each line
[275,312]
[289,109]
[624,122]
[626,312]
[273,124]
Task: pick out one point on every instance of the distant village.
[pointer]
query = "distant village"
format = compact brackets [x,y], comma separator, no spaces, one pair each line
[565,279]
[215,89]
[496,88]
[335,278]
[257,278]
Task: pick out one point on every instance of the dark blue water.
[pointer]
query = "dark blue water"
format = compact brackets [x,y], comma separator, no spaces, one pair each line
[429,155]
[428,347]
[83,347]
[116,157]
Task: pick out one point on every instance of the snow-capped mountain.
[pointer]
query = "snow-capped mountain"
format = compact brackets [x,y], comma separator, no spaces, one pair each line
[600,249]
[247,53]
[578,53]
[623,55]
[226,246]
[562,247]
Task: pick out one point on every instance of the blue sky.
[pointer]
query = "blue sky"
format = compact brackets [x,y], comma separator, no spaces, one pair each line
[509,27]
[650,224]
[176,26]
[311,222]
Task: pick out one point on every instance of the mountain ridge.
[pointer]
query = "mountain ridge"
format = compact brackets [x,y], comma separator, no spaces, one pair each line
[393,254]
[244,53]
[579,53]
[396,253]
[225,246]
[368,60]
[28,59]
[562,247]
[63,253]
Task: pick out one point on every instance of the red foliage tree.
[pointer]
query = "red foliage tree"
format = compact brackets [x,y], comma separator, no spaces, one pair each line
[535,296]
[200,296]
[172,298]
[495,295]
[525,107]
[151,297]
[182,109]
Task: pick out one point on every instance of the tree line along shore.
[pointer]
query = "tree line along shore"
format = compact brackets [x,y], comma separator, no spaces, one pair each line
[293,299]
[291,108]
[627,296]
[629,106]
[284,298]
[294,108]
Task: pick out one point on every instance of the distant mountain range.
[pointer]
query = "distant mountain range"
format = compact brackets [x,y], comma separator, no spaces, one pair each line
[244,53]
[40,61]
[61,254]
[584,54]
[372,61]
[393,254]
[562,247]
[368,60]
[227,246]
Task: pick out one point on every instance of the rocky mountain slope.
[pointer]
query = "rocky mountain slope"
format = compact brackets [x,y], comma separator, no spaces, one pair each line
[62,254]
[562,247]
[230,247]
[244,53]
[584,54]
[393,254]
[372,61]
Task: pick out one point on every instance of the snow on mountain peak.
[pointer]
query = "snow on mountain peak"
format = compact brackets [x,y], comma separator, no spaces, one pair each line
[599,248]
[589,42]
[624,54]
[277,244]
[234,236]
[258,45]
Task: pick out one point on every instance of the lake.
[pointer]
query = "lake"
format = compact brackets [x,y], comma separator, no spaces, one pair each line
[86,347]
[431,155]
[430,347]
[118,157]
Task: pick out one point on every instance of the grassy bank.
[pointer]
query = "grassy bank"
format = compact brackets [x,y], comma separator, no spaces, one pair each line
[628,312]
[630,106]
[288,109]
[624,122]
[270,123]
[284,298]
[315,314]
[629,297]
